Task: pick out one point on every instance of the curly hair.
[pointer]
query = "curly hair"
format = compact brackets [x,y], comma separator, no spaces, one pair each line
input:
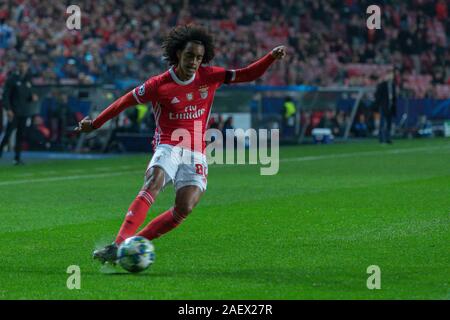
[178,38]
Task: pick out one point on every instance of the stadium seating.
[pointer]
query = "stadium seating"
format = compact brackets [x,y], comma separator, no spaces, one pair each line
[121,39]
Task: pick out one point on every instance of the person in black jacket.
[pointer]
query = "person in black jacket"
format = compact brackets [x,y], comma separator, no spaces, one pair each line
[386,100]
[18,99]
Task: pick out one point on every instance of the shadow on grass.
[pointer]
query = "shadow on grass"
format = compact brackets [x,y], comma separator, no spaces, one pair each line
[254,275]
[125,273]
[273,276]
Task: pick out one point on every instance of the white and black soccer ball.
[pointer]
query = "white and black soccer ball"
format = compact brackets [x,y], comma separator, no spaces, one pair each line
[136,254]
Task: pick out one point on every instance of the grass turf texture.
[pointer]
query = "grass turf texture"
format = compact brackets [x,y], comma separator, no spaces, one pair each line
[309,232]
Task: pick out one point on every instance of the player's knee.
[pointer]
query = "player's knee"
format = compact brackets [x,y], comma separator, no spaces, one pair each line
[183,209]
[154,180]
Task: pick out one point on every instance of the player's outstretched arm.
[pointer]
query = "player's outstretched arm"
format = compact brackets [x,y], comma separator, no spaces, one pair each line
[126,101]
[257,68]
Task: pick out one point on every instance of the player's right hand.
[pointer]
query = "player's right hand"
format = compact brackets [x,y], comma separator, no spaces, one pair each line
[279,52]
[84,125]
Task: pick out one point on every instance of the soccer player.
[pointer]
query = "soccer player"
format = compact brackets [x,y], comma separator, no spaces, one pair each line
[181,99]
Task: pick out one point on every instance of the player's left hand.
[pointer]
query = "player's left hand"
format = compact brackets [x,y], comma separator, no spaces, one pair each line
[279,52]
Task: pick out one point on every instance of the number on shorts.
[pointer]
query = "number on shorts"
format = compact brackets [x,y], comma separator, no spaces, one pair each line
[199,168]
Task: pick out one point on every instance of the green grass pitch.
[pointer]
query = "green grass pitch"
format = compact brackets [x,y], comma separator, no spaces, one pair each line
[309,232]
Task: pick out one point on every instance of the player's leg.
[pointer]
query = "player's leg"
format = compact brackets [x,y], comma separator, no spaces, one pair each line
[137,212]
[190,184]
[185,200]
[161,170]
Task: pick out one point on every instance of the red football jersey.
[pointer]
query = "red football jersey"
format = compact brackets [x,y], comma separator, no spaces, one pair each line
[182,105]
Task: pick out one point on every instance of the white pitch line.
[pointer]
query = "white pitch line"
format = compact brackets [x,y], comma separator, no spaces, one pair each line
[363,153]
[105,169]
[63,178]
[307,158]
[48,172]
[352,154]
[125,167]
[29,174]
[76,171]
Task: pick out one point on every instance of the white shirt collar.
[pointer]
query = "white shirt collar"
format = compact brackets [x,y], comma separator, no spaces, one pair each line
[177,80]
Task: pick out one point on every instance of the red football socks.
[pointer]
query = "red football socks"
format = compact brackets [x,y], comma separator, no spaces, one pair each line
[136,215]
[161,224]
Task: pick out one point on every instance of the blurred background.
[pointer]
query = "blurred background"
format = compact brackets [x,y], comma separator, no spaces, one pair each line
[327,90]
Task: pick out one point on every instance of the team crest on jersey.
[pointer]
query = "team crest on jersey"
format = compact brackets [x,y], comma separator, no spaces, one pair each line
[190,96]
[203,92]
[174,100]
[141,90]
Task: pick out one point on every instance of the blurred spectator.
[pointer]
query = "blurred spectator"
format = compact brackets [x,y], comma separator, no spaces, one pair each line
[138,117]
[59,115]
[1,111]
[227,125]
[329,121]
[18,99]
[7,35]
[288,118]
[341,122]
[38,135]
[424,127]
[216,122]
[360,127]
[386,100]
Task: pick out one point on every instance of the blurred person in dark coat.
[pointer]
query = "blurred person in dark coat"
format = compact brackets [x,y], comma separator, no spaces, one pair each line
[18,99]
[1,111]
[386,99]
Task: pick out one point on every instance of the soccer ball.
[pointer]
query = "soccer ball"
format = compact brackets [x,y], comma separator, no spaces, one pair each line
[136,254]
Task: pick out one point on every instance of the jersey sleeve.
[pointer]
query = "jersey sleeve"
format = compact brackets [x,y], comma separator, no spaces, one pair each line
[114,109]
[248,74]
[216,75]
[251,72]
[146,92]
